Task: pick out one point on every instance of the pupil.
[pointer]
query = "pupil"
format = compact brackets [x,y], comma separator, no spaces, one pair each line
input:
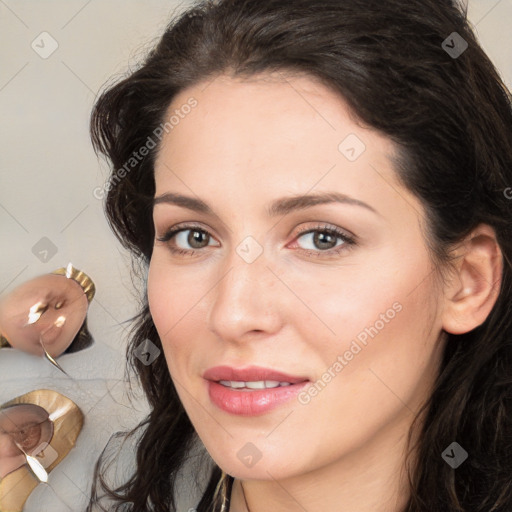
[324,238]
[196,237]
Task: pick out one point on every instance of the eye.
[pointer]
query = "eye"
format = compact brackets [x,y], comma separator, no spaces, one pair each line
[325,239]
[181,236]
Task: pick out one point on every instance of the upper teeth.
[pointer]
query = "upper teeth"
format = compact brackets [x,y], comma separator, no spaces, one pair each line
[256,384]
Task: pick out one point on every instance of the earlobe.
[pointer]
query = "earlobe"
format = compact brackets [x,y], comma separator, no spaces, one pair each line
[473,288]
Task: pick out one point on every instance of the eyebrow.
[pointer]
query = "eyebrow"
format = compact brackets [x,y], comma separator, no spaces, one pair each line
[280,206]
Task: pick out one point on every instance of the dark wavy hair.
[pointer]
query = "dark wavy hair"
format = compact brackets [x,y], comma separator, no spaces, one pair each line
[449,116]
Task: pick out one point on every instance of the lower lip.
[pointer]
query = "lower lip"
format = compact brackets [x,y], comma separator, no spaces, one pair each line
[253,402]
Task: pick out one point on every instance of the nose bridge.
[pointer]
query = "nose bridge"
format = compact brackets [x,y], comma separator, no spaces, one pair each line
[246,298]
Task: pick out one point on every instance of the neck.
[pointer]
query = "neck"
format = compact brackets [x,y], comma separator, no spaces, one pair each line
[372,477]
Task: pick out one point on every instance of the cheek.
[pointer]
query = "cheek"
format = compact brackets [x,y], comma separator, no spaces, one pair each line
[381,359]
[382,343]
[173,301]
[363,388]
[358,303]
[162,291]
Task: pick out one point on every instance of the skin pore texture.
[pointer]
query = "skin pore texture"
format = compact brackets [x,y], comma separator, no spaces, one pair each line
[298,307]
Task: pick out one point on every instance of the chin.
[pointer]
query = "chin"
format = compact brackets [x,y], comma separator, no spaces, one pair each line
[247,462]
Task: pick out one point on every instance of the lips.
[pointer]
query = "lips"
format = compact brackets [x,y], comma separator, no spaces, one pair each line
[251,391]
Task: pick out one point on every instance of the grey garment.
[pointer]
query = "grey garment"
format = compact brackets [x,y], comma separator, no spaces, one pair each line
[194,478]
[120,454]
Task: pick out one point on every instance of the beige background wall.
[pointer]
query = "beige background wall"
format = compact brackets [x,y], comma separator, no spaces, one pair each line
[48,173]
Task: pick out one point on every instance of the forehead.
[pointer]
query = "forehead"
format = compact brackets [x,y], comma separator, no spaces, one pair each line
[282,133]
[266,116]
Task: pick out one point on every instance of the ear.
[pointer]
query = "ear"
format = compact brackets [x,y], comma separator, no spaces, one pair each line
[473,288]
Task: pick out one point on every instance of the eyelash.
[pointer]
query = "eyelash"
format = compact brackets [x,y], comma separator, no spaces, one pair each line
[348,240]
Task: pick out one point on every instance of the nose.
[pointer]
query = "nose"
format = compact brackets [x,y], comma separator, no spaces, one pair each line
[248,301]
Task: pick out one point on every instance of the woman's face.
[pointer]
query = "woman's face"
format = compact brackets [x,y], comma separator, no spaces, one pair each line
[301,264]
